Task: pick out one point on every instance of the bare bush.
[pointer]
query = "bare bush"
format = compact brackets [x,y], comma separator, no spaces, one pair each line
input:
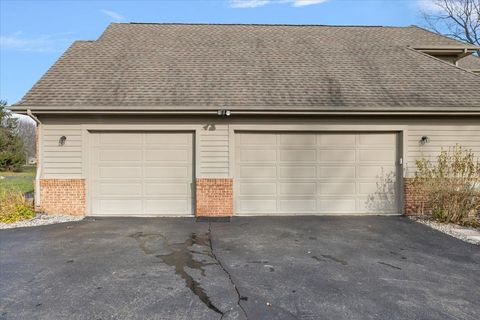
[14,207]
[450,187]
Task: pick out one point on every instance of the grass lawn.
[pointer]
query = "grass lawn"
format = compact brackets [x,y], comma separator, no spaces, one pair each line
[22,181]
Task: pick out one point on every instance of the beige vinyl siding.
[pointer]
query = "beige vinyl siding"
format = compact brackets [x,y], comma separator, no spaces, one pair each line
[440,136]
[214,151]
[62,161]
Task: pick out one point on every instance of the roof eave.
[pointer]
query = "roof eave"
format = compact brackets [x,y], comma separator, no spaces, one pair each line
[258,111]
[458,51]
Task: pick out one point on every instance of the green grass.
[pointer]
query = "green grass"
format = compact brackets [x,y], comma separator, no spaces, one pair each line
[27,171]
[23,180]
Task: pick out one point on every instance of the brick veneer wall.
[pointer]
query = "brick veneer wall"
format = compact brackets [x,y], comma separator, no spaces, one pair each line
[214,197]
[413,202]
[62,196]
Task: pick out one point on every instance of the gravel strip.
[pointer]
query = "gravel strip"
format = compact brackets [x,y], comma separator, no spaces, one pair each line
[451,229]
[39,220]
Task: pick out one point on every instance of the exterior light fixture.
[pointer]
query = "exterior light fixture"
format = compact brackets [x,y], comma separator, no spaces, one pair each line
[61,141]
[209,127]
[424,140]
[224,113]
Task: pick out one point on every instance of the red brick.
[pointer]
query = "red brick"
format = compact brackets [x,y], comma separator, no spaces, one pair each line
[414,205]
[62,196]
[214,197]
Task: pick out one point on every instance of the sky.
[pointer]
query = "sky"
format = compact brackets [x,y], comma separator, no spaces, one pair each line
[33,34]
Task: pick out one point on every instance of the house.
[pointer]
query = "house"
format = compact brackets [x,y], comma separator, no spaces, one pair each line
[220,120]
[470,63]
[31,161]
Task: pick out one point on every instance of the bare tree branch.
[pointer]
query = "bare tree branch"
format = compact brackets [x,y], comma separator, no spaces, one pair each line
[458,19]
[26,130]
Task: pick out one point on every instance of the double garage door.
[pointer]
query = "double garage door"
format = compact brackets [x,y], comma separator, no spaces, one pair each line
[310,173]
[151,173]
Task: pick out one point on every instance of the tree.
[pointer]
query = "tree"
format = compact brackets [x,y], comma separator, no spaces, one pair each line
[12,156]
[26,130]
[458,19]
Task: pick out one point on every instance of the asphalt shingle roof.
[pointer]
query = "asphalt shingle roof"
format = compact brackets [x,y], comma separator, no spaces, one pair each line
[185,66]
[470,62]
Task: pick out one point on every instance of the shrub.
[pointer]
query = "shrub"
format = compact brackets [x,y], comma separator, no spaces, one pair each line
[14,207]
[450,187]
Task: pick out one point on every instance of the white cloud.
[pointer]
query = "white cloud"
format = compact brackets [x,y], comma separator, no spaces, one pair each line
[302,3]
[248,3]
[260,3]
[428,5]
[112,14]
[43,43]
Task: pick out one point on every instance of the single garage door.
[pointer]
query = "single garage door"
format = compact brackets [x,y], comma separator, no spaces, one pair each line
[141,173]
[316,173]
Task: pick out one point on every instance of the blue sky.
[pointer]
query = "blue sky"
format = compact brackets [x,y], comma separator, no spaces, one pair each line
[33,34]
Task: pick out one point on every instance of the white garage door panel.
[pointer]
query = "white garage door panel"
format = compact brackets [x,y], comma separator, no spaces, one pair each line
[134,139]
[345,172]
[258,206]
[258,172]
[298,188]
[338,205]
[168,172]
[142,173]
[119,206]
[165,206]
[310,173]
[118,172]
[120,189]
[298,155]
[297,205]
[332,155]
[168,138]
[335,140]
[171,155]
[258,188]
[260,154]
[124,155]
[296,140]
[167,188]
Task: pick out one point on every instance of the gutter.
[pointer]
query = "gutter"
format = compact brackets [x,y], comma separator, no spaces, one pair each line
[39,155]
[457,51]
[139,112]
[467,49]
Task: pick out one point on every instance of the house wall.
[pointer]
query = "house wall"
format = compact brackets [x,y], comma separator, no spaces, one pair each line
[62,162]
[449,59]
[214,139]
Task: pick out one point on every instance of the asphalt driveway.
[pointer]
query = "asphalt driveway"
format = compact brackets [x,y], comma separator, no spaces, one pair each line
[255,268]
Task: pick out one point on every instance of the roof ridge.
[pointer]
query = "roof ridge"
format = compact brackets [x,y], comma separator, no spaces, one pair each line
[260,24]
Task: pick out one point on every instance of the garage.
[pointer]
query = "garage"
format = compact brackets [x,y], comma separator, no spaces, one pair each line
[316,173]
[141,173]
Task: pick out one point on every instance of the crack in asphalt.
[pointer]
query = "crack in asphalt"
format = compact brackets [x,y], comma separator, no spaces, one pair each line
[181,256]
[240,297]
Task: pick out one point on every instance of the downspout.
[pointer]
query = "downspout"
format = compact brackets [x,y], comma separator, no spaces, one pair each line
[39,156]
